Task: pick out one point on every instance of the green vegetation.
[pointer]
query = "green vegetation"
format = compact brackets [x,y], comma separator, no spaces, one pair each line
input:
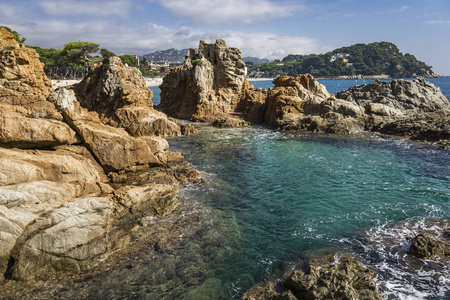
[76,58]
[15,34]
[360,59]
[72,61]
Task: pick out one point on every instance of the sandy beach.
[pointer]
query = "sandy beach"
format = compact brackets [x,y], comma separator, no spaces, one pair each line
[153,81]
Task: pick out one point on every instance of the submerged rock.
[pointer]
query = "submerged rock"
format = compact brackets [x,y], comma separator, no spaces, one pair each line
[325,278]
[425,246]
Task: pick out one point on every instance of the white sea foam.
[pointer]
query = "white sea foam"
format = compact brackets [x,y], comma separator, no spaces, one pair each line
[384,249]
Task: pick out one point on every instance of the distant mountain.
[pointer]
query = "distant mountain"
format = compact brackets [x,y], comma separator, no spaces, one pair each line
[169,55]
[383,58]
[174,55]
[255,60]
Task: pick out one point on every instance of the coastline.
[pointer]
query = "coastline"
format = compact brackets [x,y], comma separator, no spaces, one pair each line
[344,77]
[61,83]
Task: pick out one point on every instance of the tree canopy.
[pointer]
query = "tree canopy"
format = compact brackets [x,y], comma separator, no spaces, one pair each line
[365,59]
[78,52]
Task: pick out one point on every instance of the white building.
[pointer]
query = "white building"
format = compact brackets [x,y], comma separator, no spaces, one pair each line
[344,56]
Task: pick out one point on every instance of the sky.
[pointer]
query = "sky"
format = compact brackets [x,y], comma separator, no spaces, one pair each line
[262,28]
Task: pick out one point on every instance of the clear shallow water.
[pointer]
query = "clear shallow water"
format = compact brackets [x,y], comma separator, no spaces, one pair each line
[293,196]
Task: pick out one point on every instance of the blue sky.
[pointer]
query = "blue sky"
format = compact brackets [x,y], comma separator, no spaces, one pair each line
[263,28]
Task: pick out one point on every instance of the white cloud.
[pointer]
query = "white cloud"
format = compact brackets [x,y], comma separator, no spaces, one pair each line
[151,37]
[93,8]
[273,46]
[230,11]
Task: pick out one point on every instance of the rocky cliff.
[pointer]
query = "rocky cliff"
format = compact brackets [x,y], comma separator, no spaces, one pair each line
[119,95]
[27,120]
[209,86]
[77,164]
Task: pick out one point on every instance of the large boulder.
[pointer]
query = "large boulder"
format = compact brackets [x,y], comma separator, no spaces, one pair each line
[27,120]
[119,95]
[17,130]
[33,183]
[292,99]
[210,85]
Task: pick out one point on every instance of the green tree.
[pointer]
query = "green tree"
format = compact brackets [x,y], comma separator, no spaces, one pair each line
[106,54]
[15,34]
[78,52]
[129,60]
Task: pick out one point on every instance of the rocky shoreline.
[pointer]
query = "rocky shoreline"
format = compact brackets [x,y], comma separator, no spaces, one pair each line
[213,88]
[79,164]
[82,166]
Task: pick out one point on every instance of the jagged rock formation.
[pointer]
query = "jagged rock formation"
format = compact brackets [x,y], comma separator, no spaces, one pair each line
[119,95]
[27,120]
[72,180]
[323,278]
[208,86]
[291,100]
[409,108]
[211,87]
[425,246]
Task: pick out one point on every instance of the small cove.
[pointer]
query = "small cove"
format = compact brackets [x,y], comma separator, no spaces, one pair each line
[269,201]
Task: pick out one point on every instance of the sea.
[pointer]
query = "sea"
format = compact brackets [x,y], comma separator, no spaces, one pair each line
[275,199]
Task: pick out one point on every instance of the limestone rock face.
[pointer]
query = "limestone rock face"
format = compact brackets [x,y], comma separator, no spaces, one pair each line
[27,120]
[19,131]
[65,239]
[291,99]
[208,86]
[33,183]
[119,94]
[20,166]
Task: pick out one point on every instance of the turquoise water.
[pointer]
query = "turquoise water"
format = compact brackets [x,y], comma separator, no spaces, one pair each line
[293,196]
[288,197]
